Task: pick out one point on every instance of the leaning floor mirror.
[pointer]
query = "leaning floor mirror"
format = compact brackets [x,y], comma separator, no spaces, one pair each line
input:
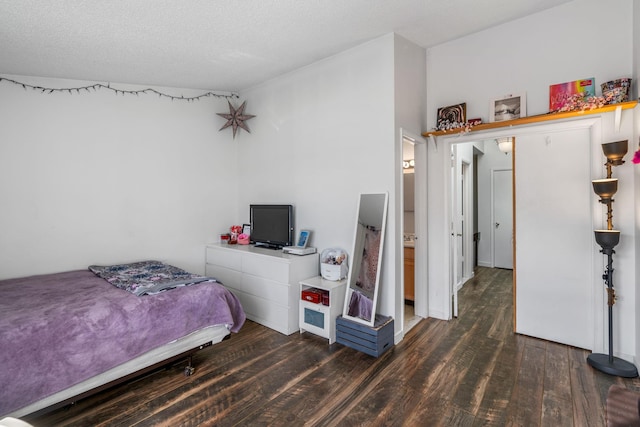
[364,275]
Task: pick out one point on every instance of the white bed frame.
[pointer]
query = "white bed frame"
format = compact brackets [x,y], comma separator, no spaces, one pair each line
[181,348]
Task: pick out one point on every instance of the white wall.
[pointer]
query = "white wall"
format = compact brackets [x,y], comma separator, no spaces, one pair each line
[329,133]
[529,58]
[554,46]
[98,178]
[325,134]
[410,106]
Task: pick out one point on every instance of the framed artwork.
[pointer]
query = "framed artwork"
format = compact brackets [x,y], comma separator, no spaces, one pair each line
[563,96]
[508,107]
[246,229]
[452,116]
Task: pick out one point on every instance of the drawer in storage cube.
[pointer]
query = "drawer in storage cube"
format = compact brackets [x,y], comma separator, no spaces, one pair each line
[313,317]
[372,340]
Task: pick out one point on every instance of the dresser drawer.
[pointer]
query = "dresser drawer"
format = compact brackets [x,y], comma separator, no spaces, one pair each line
[267,289]
[268,268]
[229,278]
[229,259]
[266,313]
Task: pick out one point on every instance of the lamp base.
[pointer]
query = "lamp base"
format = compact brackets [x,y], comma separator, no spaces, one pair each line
[612,366]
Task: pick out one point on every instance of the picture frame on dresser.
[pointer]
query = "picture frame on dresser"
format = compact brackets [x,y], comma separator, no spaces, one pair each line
[303,238]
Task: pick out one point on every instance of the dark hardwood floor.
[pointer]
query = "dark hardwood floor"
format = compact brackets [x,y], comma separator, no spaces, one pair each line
[469,371]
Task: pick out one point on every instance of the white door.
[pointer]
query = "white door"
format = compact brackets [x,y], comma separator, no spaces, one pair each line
[455,272]
[459,225]
[502,218]
[554,237]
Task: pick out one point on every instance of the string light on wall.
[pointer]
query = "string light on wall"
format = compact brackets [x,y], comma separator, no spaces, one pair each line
[98,86]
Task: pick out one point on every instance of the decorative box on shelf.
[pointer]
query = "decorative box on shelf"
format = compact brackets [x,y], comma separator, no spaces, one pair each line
[312,295]
[372,340]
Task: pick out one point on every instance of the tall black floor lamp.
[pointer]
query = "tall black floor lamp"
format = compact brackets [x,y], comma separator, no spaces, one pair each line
[608,239]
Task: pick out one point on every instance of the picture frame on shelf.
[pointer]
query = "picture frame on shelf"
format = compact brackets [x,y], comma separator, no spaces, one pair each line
[566,96]
[452,116]
[246,229]
[508,107]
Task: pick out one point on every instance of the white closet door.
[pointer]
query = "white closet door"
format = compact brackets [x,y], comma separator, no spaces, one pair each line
[502,218]
[554,237]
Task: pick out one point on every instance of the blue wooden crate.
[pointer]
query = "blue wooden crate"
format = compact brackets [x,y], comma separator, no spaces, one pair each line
[372,340]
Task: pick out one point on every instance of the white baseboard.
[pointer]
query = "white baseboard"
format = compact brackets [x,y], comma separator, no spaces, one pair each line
[437,314]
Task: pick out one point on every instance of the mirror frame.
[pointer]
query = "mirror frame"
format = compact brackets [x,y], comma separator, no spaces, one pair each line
[358,259]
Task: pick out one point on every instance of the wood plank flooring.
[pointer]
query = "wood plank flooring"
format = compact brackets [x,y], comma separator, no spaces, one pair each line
[470,371]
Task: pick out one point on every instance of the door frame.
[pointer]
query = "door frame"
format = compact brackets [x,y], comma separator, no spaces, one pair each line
[421,297]
[442,145]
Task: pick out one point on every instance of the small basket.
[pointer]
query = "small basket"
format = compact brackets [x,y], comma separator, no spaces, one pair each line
[333,272]
[617,89]
[333,264]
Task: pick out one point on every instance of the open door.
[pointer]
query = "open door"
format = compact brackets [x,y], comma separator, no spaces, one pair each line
[417,213]
[462,219]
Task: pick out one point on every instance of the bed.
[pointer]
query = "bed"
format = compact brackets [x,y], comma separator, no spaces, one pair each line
[64,335]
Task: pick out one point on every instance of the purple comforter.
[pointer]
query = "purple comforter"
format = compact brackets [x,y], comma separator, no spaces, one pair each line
[57,330]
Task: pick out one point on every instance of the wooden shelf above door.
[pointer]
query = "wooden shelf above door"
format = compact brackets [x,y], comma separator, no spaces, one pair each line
[535,119]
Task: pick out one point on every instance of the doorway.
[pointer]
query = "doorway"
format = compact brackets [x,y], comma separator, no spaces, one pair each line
[480,196]
[413,293]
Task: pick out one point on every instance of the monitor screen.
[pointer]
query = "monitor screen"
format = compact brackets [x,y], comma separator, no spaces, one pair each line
[271,225]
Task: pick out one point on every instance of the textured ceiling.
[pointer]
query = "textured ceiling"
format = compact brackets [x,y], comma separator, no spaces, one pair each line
[221,44]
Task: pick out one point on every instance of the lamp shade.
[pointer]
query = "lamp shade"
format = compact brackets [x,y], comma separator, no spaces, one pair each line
[605,188]
[505,144]
[607,239]
[615,151]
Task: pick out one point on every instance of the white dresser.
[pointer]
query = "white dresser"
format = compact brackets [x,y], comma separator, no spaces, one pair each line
[266,281]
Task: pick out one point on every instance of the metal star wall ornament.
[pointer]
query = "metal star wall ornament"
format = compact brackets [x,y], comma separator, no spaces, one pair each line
[236,118]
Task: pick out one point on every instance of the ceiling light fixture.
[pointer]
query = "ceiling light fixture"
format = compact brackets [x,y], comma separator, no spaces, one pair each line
[505,144]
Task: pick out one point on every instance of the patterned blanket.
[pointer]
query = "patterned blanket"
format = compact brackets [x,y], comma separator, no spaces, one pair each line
[146,277]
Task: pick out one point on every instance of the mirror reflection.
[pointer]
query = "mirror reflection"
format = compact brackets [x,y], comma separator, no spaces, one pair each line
[364,274]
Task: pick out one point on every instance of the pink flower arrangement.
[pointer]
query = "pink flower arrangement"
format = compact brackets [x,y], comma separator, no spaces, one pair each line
[578,102]
[636,157]
[235,230]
